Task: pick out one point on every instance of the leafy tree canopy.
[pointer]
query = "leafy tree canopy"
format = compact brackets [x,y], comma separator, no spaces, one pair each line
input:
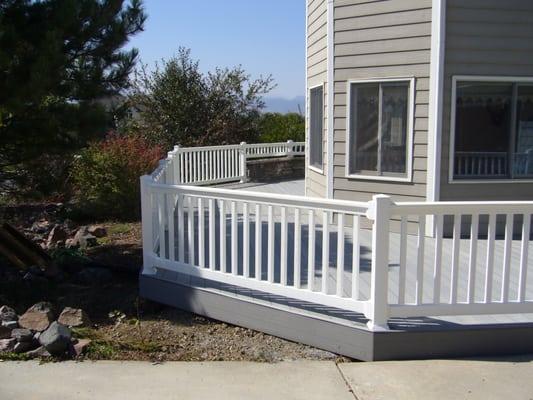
[276,127]
[178,104]
[56,58]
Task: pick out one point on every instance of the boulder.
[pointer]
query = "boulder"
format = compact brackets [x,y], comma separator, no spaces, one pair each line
[7,345]
[94,276]
[74,317]
[97,231]
[57,234]
[56,339]
[81,346]
[22,335]
[5,332]
[38,317]
[8,314]
[39,352]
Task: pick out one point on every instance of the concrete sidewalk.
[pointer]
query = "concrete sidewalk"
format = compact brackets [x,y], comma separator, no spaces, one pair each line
[510,378]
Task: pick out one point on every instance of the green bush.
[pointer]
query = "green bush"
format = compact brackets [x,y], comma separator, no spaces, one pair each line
[276,127]
[106,176]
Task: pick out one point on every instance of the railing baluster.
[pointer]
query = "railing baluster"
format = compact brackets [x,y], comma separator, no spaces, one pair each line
[190,212]
[212,248]
[258,241]
[420,259]
[340,255]
[245,241]
[311,252]
[222,236]
[455,257]
[325,251]
[162,239]
[234,240]
[297,249]
[270,255]
[472,259]
[181,230]
[171,241]
[489,267]
[355,257]
[524,253]
[509,218]
[283,247]
[403,258]
[201,233]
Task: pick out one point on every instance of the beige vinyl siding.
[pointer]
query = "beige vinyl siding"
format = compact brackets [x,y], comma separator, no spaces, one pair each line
[382,39]
[491,38]
[315,182]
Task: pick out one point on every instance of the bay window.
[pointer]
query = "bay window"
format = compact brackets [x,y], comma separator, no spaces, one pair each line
[492,129]
[379,131]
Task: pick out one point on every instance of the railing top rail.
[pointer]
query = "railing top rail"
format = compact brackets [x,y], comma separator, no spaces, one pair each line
[462,207]
[236,146]
[349,207]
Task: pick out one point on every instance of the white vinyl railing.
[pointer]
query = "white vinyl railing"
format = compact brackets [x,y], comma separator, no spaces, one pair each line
[492,164]
[322,251]
[219,164]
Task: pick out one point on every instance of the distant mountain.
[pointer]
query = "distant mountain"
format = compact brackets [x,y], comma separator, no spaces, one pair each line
[284,105]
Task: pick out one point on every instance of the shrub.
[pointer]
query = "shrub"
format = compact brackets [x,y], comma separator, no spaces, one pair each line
[276,127]
[106,176]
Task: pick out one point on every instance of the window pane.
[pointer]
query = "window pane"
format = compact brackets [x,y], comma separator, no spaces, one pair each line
[364,127]
[316,121]
[482,125]
[394,105]
[523,159]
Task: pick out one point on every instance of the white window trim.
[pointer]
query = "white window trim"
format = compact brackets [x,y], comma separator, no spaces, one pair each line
[476,78]
[309,166]
[410,130]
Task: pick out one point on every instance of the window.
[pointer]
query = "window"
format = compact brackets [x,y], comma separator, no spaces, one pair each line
[493,129]
[316,121]
[380,115]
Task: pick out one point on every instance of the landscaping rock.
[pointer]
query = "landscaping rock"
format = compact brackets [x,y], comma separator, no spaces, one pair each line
[22,335]
[5,332]
[94,276]
[7,345]
[56,339]
[38,317]
[57,234]
[40,226]
[39,352]
[83,239]
[10,324]
[81,346]
[22,347]
[74,317]
[8,314]
[97,231]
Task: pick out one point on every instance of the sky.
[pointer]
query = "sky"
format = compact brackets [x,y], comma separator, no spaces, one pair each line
[264,36]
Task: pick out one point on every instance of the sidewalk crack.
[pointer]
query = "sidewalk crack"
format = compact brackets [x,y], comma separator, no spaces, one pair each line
[346,382]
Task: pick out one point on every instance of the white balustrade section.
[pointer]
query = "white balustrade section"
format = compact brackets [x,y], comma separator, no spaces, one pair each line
[476,261]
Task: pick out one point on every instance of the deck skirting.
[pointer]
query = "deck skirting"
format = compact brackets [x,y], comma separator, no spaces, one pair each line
[348,337]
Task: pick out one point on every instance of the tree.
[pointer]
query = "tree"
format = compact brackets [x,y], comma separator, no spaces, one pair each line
[276,127]
[56,58]
[178,104]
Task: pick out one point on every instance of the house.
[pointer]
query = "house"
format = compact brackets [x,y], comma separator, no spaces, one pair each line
[430,100]
[410,235]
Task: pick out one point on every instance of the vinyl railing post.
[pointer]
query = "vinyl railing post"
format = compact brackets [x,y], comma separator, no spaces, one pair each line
[242,162]
[147,225]
[378,312]
[176,165]
[290,148]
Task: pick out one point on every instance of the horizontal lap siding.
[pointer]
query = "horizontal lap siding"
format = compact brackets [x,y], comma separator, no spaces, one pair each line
[382,39]
[485,37]
[316,75]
